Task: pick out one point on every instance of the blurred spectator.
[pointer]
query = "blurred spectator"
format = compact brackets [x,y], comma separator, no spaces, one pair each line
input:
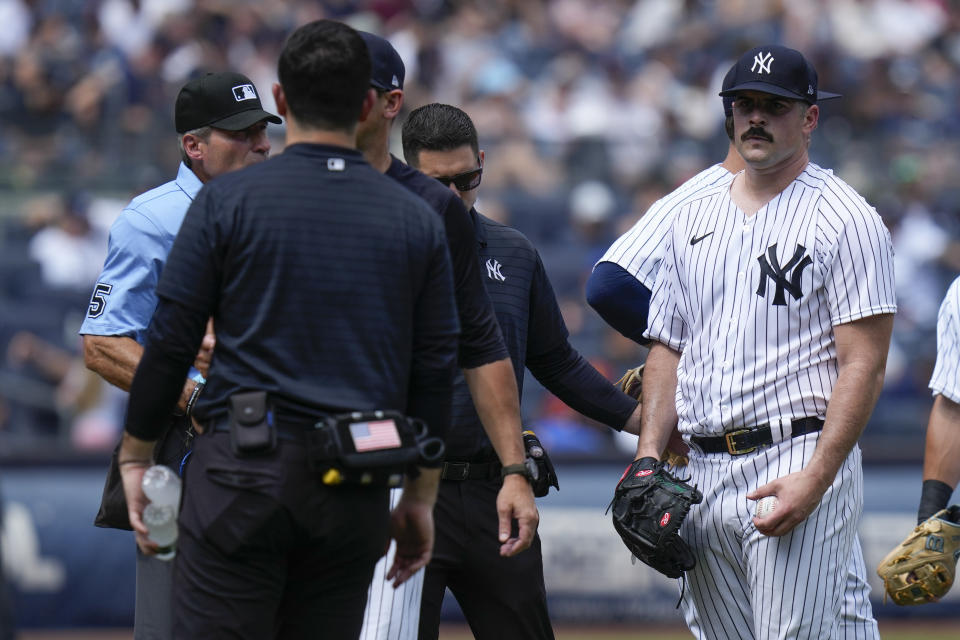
[89,409]
[583,103]
[69,250]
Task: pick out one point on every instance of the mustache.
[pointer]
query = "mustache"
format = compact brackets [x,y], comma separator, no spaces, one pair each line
[758,132]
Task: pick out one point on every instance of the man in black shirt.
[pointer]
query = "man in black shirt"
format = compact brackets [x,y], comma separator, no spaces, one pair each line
[267,547]
[483,357]
[501,597]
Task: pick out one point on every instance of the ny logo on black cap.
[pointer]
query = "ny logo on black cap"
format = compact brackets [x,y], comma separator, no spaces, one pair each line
[763,61]
[244,92]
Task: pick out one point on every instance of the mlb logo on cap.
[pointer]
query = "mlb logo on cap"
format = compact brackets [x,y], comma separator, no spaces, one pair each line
[244,92]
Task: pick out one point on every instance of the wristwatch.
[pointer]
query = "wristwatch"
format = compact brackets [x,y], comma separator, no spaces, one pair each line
[519,469]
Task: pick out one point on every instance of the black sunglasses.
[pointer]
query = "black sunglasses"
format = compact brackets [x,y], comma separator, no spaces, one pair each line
[466,181]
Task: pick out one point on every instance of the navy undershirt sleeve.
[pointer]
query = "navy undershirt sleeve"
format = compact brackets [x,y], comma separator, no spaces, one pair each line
[620,300]
[561,369]
[172,341]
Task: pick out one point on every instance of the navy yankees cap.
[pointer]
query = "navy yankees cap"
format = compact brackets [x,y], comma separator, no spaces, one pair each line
[388,70]
[778,70]
[225,100]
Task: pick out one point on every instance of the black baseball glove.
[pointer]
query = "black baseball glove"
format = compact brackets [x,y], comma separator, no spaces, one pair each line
[649,505]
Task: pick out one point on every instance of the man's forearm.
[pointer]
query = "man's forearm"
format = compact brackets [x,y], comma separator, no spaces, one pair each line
[861,357]
[941,460]
[135,451]
[658,408]
[569,376]
[851,403]
[423,488]
[493,388]
[116,358]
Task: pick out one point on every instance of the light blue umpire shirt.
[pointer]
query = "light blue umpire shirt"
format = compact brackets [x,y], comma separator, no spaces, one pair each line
[125,295]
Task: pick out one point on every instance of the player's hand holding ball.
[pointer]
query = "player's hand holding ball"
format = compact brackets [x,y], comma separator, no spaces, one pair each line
[766,506]
[794,497]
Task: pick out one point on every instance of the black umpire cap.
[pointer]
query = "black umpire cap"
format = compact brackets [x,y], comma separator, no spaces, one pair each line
[388,69]
[225,100]
[778,70]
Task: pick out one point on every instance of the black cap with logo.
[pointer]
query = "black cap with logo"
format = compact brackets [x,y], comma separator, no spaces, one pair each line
[388,70]
[778,70]
[225,100]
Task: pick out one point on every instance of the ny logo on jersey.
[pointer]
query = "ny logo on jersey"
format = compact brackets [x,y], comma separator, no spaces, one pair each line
[762,60]
[493,270]
[779,274]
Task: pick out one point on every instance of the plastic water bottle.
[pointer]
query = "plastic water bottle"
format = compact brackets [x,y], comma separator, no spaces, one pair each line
[162,487]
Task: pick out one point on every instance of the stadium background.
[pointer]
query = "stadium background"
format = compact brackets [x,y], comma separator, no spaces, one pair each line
[588,112]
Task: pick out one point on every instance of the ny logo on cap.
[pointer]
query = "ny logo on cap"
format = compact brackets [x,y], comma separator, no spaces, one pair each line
[763,61]
[244,92]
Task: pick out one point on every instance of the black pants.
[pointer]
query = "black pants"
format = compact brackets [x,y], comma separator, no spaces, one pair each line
[502,598]
[267,551]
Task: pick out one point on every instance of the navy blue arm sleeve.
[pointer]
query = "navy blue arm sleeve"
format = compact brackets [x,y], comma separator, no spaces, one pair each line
[620,299]
[171,345]
[567,375]
[564,372]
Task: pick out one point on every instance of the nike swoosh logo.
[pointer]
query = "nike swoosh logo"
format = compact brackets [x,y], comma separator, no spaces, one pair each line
[695,240]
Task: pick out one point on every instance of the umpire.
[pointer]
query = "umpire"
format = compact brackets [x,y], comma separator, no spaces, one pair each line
[305,329]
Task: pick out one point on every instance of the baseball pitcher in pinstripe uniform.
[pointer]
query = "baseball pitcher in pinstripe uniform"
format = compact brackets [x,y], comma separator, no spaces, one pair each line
[771,317]
[619,290]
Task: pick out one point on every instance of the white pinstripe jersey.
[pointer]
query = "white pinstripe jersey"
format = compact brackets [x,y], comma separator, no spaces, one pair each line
[946,374]
[640,250]
[751,301]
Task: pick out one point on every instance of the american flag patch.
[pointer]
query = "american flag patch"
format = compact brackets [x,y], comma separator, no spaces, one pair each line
[372,436]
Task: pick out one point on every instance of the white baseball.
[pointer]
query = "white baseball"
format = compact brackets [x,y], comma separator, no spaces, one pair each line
[766,506]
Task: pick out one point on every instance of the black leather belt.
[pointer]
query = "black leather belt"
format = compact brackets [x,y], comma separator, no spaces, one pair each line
[743,441]
[470,470]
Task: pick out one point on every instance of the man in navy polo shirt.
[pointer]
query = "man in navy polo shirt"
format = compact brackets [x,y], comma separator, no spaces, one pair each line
[501,597]
[483,357]
[267,547]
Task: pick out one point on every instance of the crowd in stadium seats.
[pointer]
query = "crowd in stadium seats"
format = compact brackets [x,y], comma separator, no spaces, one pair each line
[588,111]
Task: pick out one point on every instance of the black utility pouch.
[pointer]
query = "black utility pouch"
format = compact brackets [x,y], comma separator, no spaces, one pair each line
[370,448]
[540,465]
[252,428]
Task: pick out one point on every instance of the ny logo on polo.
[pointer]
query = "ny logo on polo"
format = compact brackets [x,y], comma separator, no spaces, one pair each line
[493,270]
[762,60]
[780,275]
